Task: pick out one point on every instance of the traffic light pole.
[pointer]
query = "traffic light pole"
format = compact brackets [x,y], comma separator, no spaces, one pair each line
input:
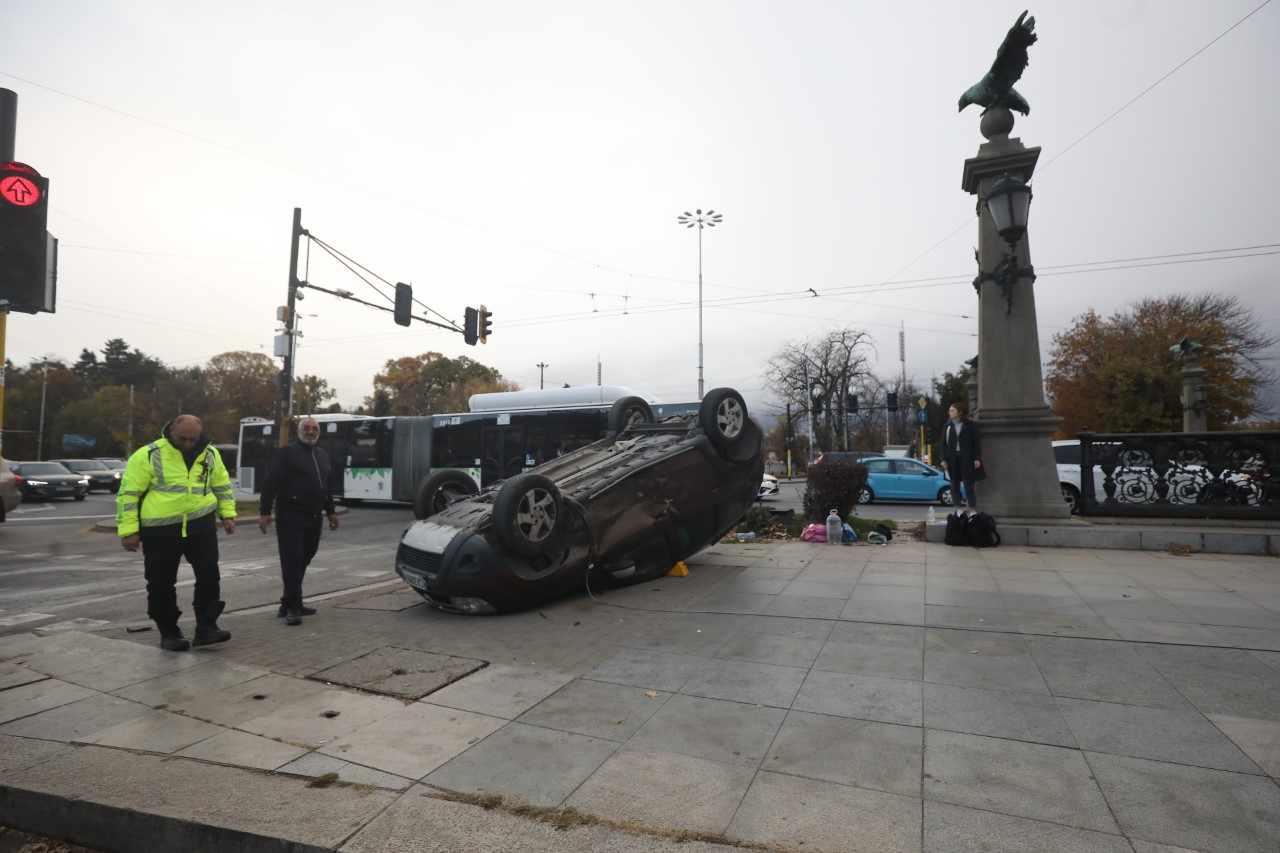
[8,137]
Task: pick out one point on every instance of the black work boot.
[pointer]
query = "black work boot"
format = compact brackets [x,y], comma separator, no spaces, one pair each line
[293,616]
[207,630]
[171,639]
[303,609]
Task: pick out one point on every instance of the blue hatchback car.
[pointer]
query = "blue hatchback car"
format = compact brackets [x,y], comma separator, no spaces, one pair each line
[892,478]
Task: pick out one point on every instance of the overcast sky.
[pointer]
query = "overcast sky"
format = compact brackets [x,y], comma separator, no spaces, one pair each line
[533,156]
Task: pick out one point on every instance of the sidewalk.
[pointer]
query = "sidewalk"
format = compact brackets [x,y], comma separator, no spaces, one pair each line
[910,697]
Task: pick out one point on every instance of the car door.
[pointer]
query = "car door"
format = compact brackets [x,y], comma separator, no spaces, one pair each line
[882,479]
[918,482]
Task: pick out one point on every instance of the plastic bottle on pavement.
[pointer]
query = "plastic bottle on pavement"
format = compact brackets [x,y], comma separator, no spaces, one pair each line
[834,527]
[932,515]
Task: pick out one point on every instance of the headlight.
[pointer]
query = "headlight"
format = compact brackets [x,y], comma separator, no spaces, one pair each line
[115,474]
[84,482]
[37,482]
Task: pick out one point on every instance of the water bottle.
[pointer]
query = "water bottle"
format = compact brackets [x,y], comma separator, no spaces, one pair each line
[932,515]
[834,527]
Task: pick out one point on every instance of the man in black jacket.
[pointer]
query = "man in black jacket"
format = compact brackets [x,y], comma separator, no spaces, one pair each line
[297,484]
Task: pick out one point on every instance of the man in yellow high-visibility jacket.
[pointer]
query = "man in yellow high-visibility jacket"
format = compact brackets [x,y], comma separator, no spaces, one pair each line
[174,492]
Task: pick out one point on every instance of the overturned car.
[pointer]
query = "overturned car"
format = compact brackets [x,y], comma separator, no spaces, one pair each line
[622,510]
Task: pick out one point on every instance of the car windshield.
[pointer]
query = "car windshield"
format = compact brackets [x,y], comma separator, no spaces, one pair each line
[85,465]
[34,468]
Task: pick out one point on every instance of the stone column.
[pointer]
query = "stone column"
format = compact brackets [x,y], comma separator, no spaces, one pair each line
[1016,424]
[1194,418]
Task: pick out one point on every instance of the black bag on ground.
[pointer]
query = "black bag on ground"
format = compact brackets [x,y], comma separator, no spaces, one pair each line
[955,530]
[886,532]
[980,531]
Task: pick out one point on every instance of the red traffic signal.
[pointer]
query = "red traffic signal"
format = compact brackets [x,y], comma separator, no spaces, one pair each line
[24,243]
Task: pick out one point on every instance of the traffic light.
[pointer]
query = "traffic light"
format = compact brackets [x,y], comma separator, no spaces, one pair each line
[891,401]
[404,303]
[469,327]
[24,247]
[852,404]
[486,324]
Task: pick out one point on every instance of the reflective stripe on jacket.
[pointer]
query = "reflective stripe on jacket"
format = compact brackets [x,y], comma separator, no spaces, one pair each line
[158,489]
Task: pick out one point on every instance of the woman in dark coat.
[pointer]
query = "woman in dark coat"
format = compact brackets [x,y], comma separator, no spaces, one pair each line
[962,455]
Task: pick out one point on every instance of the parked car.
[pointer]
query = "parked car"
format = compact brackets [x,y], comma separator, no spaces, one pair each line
[768,487]
[115,463]
[622,510]
[896,478]
[10,496]
[99,474]
[47,480]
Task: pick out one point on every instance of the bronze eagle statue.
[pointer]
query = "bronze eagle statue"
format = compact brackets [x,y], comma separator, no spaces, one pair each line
[996,89]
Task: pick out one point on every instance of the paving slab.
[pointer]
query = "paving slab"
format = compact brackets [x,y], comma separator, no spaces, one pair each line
[242,749]
[719,730]
[1030,717]
[783,809]
[540,766]
[1050,783]
[1179,737]
[598,709]
[865,697]
[77,720]
[1211,810]
[959,829]
[25,700]
[880,756]
[410,673]
[500,690]
[321,718]
[1258,739]
[155,731]
[413,740]
[665,789]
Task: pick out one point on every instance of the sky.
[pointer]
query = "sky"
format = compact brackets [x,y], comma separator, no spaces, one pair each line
[533,156]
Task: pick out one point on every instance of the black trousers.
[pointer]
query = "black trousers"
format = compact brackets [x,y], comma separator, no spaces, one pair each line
[160,560]
[298,535]
[957,477]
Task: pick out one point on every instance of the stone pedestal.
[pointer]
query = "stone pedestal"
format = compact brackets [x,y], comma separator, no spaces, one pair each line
[1016,424]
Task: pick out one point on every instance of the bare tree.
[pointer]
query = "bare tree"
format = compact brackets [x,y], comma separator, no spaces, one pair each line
[813,375]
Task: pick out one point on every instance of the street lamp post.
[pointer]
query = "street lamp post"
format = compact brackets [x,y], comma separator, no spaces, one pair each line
[44,387]
[710,219]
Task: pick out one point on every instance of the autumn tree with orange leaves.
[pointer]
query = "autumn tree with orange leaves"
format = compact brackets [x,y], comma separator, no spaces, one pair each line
[1119,375]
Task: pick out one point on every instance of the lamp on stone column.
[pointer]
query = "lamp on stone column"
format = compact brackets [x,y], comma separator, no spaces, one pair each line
[1009,203]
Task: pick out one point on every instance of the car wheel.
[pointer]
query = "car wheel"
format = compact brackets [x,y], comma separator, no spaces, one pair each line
[866,496]
[439,489]
[527,515]
[1071,495]
[80,497]
[628,411]
[945,498]
[723,417]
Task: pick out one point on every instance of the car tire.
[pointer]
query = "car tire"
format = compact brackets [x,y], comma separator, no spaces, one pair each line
[944,496]
[439,489]
[866,496]
[527,515]
[1071,495]
[628,411]
[80,497]
[723,417]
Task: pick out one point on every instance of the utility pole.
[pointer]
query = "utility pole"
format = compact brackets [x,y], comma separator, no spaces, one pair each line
[8,137]
[284,403]
[542,367]
[44,386]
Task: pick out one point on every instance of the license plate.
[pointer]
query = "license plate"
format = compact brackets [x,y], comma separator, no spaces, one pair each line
[64,488]
[417,582]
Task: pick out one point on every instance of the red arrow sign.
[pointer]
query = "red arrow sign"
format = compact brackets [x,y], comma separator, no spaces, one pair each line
[18,190]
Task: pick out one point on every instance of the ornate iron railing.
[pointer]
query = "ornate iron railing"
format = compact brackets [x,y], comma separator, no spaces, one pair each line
[1181,475]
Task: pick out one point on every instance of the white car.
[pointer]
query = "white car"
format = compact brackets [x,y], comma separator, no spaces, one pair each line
[768,487]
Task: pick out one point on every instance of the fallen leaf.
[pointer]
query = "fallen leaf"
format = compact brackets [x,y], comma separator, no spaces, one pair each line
[620,721]
[651,693]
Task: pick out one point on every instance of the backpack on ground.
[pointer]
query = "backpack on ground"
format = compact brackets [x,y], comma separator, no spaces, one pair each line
[980,531]
[955,530]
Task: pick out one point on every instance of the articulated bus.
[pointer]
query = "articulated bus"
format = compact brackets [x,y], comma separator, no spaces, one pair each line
[503,434]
